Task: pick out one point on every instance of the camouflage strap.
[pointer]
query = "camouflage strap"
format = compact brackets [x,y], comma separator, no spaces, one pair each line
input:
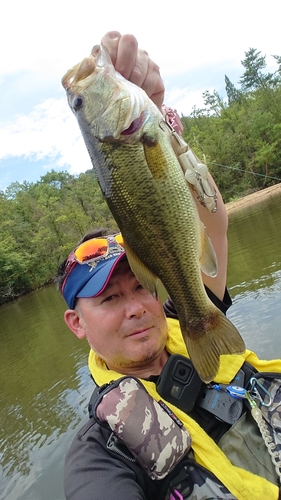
[156,437]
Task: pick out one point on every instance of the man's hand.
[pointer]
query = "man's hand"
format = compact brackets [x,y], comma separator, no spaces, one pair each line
[135,64]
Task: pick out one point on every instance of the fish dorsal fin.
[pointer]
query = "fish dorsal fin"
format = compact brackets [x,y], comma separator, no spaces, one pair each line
[208,259]
[147,278]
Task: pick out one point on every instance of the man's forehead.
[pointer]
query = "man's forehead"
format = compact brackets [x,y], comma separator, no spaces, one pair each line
[122,269]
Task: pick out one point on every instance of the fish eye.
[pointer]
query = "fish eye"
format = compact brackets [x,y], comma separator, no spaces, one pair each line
[77,102]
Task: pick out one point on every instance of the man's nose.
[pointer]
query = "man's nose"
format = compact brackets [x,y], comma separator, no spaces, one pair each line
[134,307]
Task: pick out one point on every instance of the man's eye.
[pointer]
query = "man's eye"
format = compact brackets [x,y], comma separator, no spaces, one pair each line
[109,298]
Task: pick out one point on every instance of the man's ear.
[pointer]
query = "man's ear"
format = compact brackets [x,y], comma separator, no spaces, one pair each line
[74,323]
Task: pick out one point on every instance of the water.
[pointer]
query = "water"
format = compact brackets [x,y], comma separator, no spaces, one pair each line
[254,276]
[45,384]
[45,387]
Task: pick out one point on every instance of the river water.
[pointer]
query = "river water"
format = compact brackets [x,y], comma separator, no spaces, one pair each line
[45,384]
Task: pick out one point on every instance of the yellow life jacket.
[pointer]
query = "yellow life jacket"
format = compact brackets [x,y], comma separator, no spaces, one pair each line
[241,483]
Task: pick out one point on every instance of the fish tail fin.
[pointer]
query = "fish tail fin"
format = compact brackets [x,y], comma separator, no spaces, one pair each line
[205,351]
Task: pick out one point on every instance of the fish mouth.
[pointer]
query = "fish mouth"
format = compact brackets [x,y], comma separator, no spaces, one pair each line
[79,73]
[120,112]
[135,126]
[97,60]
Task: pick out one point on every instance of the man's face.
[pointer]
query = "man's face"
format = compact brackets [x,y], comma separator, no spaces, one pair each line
[125,325]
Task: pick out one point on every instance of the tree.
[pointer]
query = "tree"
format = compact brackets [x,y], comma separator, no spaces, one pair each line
[253,76]
[278,72]
[213,101]
[41,222]
[241,139]
[233,94]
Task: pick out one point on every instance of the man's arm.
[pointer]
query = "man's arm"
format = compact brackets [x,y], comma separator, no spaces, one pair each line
[216,226]
[93,472]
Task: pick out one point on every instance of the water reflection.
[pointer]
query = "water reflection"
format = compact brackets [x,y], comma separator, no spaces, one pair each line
[43,367]
[254,243]
[254,276]
[45,388]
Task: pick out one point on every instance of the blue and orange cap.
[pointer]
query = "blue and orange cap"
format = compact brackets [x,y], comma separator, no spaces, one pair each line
[91,278]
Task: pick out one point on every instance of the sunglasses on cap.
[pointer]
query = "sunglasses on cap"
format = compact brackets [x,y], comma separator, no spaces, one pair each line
[101,254]
[95,249]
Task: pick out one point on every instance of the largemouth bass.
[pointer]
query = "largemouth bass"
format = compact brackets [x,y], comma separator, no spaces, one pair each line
[141,179]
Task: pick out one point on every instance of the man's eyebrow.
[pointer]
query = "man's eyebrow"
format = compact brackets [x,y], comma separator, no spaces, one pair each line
[114,281]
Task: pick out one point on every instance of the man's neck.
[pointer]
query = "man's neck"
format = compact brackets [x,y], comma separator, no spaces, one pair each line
[151,367]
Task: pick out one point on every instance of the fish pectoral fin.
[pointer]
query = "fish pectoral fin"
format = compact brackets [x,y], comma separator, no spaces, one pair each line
[146,277]
[208,258]
[205,351]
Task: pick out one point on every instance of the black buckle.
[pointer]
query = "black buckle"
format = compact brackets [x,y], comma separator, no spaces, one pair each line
[181,485]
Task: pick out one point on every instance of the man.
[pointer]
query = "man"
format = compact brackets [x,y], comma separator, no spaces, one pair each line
[130,335]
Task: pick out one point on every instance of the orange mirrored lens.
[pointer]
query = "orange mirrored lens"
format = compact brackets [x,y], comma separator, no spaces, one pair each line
[91,249]
[119,239]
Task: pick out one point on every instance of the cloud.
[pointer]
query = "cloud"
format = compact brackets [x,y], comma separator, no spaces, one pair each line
[183,100]
[49,131]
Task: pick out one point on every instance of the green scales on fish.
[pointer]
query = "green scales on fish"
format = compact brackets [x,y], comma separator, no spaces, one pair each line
[142,181]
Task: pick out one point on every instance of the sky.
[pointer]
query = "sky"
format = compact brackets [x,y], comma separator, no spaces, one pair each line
[194,43]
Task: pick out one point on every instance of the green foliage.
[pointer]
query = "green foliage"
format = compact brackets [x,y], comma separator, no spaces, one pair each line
[240,139]
[40,223]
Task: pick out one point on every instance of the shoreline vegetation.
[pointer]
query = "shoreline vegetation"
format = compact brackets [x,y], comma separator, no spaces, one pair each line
[253,198]
[231,207]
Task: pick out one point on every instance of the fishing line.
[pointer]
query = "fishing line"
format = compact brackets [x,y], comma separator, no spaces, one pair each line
[243,170]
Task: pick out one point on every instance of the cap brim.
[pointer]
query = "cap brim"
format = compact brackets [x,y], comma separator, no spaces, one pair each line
[88,281]
[101,276]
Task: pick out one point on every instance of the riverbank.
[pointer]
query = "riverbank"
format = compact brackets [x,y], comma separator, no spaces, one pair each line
[253,198]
